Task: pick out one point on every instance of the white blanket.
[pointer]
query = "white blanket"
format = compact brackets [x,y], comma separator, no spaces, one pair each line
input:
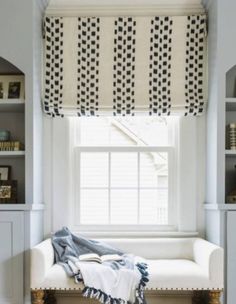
[106,282]
[113,282]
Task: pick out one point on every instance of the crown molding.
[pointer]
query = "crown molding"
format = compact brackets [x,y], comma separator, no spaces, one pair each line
[41,4]
[207,3]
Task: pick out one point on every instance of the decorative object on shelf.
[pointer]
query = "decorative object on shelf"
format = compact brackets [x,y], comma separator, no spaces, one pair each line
[12,87]
[4,135]
[231,136]
[8,192]
[5,172]
[1,90]
[11,146]
[7,145]
[231,198]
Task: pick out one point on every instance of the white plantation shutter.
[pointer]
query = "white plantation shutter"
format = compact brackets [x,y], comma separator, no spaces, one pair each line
[94,169]
[114,189]
[120,182]
[124,170]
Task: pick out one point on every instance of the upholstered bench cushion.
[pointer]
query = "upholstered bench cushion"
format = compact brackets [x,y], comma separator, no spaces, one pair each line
[57,278]
[176,274]
[179,274]
[198,265]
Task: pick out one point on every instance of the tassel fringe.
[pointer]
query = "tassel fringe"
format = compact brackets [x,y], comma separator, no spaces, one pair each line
[102,297]
[142,267]
[93,293]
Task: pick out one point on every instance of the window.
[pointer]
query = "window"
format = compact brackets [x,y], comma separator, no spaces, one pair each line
[181,140]
[125,172]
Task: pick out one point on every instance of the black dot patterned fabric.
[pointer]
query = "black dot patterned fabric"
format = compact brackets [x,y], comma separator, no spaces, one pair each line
[160,65]
[124,66]
[127,65]
[53,97]
[194,76]
[88,66]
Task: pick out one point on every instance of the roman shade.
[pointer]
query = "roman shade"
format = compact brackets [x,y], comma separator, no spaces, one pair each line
[125,65]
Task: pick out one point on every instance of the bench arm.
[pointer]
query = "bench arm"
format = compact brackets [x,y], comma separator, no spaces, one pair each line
[42,259]
[211,259]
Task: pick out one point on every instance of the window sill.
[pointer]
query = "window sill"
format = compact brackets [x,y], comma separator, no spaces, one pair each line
[136,234]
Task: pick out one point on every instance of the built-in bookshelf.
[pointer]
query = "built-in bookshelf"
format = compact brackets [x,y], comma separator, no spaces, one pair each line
[230,118]
[12,119]
[21,224]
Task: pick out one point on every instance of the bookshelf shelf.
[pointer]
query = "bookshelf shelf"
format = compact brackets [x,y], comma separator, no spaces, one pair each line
[20,207]
[12,105]
[12,101]
[230,152]
[12,153]
[230,104]
[230,99]
[226,206]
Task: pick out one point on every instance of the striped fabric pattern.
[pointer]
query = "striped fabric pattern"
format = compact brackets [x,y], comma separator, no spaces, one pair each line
[160,65]
[53,97]
[194,65]
[88,66]
[124,66]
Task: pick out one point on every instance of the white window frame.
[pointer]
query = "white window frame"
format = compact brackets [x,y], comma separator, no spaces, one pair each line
[189,166]
[111,227]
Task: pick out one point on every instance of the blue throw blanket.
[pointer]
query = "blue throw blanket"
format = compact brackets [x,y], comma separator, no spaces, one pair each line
[113,282]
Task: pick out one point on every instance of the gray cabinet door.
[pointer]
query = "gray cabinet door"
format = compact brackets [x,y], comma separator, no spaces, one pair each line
[11,257]
[231,257]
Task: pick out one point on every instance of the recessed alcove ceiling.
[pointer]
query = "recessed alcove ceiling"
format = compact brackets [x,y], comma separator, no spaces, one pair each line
[231,82]
[163,6]
[7,68]
[123,2]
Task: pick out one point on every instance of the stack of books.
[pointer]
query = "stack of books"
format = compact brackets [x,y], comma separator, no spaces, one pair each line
[11,146]
[232,136]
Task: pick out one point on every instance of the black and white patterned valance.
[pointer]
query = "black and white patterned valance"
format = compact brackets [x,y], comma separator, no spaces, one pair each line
[125,65]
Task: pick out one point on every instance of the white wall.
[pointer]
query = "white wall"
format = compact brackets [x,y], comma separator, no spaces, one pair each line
[211,171]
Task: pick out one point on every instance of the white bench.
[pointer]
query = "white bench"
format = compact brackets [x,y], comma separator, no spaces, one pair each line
[173,264]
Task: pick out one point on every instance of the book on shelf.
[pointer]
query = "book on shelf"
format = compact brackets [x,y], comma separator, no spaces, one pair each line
[231,136]
[93,257]
[11,146]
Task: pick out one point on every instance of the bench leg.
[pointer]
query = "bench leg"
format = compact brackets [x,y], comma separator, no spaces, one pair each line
[37,296]
[197,297]
[50,297]
[214,297]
